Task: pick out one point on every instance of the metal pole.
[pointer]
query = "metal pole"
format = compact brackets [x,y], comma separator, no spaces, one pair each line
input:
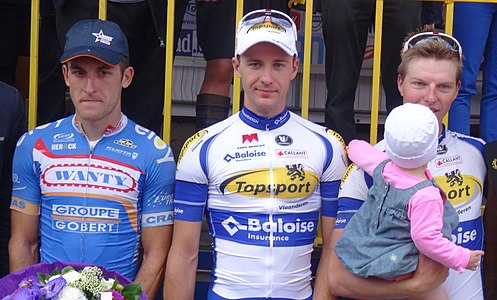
[33,64]
[236,81]
[373,136]
[102,9]
[168,78]
[306,75]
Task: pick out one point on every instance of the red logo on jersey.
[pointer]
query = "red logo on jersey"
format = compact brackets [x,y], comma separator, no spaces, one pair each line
[249,137]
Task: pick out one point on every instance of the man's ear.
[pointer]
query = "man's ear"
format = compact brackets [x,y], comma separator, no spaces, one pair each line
[128,74]
[295,66]
[65,71]
[399,85]
[235,62]
[458,86]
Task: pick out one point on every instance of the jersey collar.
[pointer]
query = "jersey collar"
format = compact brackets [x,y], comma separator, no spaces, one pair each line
[110,130]
[263,123]
[442,136]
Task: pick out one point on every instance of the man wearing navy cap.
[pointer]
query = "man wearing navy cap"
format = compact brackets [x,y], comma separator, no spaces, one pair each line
[95,186]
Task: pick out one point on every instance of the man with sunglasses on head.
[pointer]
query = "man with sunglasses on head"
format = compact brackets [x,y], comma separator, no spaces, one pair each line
[429,74]
[262,176]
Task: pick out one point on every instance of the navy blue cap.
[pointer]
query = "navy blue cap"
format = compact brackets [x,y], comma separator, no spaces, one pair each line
[102,40]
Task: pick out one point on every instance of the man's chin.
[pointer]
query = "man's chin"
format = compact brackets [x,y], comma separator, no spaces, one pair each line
[89,116]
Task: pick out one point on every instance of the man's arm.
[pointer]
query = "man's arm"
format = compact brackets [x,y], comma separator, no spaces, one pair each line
[321,289]
[490,260]
[427,277]
[183,259]
[156,242]
[23,243]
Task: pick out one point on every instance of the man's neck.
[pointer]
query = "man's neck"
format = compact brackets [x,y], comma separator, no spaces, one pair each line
[94,130]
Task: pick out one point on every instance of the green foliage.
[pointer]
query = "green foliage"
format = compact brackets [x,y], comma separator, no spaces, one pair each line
[132,291]
[66,270]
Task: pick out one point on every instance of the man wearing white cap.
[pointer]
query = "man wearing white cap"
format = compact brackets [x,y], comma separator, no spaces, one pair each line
[262,177]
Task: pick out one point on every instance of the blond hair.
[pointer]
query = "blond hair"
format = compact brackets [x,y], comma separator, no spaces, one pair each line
[432,48]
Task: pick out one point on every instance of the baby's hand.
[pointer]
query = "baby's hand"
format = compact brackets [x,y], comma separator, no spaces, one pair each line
[347,148]
[474,259]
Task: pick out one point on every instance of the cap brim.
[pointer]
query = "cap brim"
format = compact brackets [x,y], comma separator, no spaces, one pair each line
[244,48]
[106,56]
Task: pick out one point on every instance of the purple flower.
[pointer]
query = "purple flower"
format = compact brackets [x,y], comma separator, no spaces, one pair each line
[35,282]
[115,295]
[26,282]
[30,282]
[25,293]
[53,287]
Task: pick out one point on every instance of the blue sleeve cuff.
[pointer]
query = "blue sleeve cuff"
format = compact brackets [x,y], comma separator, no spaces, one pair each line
[189,201]
[347,207]
[329,196]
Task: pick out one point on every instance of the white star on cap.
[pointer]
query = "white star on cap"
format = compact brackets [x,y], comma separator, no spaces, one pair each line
[102,38]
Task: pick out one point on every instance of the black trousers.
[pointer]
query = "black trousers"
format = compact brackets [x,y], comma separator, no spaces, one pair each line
[14,32]
[345,31]
[143,100]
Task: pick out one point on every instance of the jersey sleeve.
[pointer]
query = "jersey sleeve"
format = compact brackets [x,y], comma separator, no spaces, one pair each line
[158,192]
[353,192]
[26,192]
[335,166]
[191,179]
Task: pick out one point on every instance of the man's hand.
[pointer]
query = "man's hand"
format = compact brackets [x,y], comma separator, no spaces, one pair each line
[428,276]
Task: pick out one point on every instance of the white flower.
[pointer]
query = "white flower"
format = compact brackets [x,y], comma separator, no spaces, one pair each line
[105,296]
[107,284]
[70,293]
[54,277]
[71,276]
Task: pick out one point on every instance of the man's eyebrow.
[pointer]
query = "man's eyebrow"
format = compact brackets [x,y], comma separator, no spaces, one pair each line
[101,67]
[252,59]
[74,66]
[418,78]
[104,67]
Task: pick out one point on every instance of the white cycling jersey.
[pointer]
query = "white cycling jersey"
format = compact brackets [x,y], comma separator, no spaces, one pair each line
[263,182]
[459,169]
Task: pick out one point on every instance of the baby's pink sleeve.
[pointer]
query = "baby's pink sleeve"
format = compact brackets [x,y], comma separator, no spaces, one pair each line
[365,156]
[426,215]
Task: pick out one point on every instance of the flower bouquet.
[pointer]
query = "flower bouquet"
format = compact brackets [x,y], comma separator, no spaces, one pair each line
[68,280]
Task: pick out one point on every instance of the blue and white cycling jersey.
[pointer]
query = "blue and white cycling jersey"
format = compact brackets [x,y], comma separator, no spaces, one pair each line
[263,182]
[459,169]
[93,201]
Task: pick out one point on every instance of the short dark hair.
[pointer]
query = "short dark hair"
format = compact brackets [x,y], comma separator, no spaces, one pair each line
[124,64]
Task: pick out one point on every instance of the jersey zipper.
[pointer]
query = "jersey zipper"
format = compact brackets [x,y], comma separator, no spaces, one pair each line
[85,204]
[270,259]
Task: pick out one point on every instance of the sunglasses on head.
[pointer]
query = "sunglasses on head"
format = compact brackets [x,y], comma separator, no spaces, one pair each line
[265,15]
[425,37]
